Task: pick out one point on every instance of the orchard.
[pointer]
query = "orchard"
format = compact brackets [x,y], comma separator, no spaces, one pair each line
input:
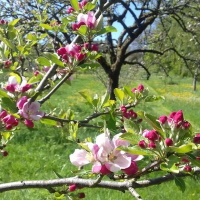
[130,143]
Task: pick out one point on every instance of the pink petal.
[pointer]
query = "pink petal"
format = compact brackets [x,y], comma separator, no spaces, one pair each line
[79,157]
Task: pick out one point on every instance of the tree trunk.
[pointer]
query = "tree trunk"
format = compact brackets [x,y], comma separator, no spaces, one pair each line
[113,82]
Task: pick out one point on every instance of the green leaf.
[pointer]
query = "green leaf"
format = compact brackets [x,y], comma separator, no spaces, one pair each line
[104,99]
[15,21]
[43,61]
[3,94]
[82,30]
[35,79]
[86,96]
[119,94]
[89,6]
[131,127]
[48,121]
[182,149]
[69,114]
[8,43]
[107,29]
[74,4]
[46,26]
[127,90]
[152,98]
[57,174]
[193,160]
[8,104]
[173,168]
[54,58]
[135,150]
[132,138]
[152,121]
[180,183]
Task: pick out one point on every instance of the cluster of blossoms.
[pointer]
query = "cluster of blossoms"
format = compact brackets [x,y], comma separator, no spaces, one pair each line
[81,6]
[8,121]
[29,111]
[72,52]
[105,156]
[174,126]
[14,87]
[128,114]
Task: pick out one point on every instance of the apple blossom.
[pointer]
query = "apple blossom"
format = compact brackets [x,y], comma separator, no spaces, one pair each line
[196,139]
[88,19]
[103,154]
[169,142]
[30,110]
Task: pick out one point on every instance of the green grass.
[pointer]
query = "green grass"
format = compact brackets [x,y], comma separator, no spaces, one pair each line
[34,155]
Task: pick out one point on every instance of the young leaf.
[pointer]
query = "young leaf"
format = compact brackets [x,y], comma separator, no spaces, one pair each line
[48,121]
[82,30]
[54,58]
[46,26]
[183,148]
[12,23]
[132,138]
[119,94]
[8,104]
[131,126]
[74,4]
[86,96]
[43,61]
[135,150]
[173,168]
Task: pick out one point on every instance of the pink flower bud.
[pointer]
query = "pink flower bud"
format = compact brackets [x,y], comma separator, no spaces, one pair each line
[94,47]
[134,90]
[4,153]
[186,125]
[70,10]
[10,88]
[75,27]
[123,109]
[21,101]
[9,119]
[132,169]
[9,126]
[29,123]
[152,145]
[26,88]
[3,113]
[152,135]
[80,56]
[162,119]
[187,168]
[86,45]
[140,88]
[185,160]
[196,139]
[169,142]
[178,117]
[198,158]
[82,4]
[36,73]
[62,51]
[81,195]
[104,170]
[142,144]
[72,188]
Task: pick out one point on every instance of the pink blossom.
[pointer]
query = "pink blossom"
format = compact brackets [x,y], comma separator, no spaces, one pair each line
[36,73]
[140,88]
[72,188]
[152,145]
[103,154]
[4,153]
[94,47]
[152,135]
[31,111]
[3,113]
[21,101]
[81,195]
[188,168]
[88,19]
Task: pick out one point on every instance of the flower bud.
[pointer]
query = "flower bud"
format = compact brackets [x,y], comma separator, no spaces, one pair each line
[196,139]
[132,169]
[187,168]
[81,195]
[152,145]
[169,142]
[72,188]
[142,144]
[162,119]
[4,153]
[104,170]
[3,113]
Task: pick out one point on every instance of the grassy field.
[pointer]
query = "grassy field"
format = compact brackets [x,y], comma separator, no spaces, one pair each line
[34,155]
